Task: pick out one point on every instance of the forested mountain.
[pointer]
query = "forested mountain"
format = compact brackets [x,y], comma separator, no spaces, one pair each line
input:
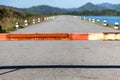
[103,6]
[90,6]
[110,6]
[45,9]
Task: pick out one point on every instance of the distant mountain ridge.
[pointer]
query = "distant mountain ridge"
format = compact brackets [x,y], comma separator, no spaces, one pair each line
[45,9]
[106,5]
[90,6]
[103,6]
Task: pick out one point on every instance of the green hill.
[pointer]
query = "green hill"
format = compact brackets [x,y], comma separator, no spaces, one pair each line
[8,18]
[43,9]
[90,7]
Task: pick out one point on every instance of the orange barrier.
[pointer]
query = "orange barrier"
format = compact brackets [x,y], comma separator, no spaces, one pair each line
[55,36]
[3,37]
[79,36]
[62,36]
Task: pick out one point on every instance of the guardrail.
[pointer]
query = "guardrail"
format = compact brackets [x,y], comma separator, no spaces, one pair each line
[61,36]
[105,23]
[34,21]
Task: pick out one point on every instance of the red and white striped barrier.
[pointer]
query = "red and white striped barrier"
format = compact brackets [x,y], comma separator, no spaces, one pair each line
[62,36]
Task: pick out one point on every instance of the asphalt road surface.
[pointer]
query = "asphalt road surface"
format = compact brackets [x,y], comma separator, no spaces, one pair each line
[60,60]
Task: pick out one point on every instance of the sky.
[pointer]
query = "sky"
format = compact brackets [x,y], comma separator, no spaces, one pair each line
[54,3]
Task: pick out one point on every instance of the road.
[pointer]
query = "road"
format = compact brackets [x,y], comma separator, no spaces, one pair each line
[17,57]
[64,24]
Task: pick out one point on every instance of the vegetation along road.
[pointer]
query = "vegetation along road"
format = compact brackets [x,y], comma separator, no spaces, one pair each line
[60,60]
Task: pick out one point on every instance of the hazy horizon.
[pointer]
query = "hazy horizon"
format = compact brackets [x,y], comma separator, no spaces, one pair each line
[54,3]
